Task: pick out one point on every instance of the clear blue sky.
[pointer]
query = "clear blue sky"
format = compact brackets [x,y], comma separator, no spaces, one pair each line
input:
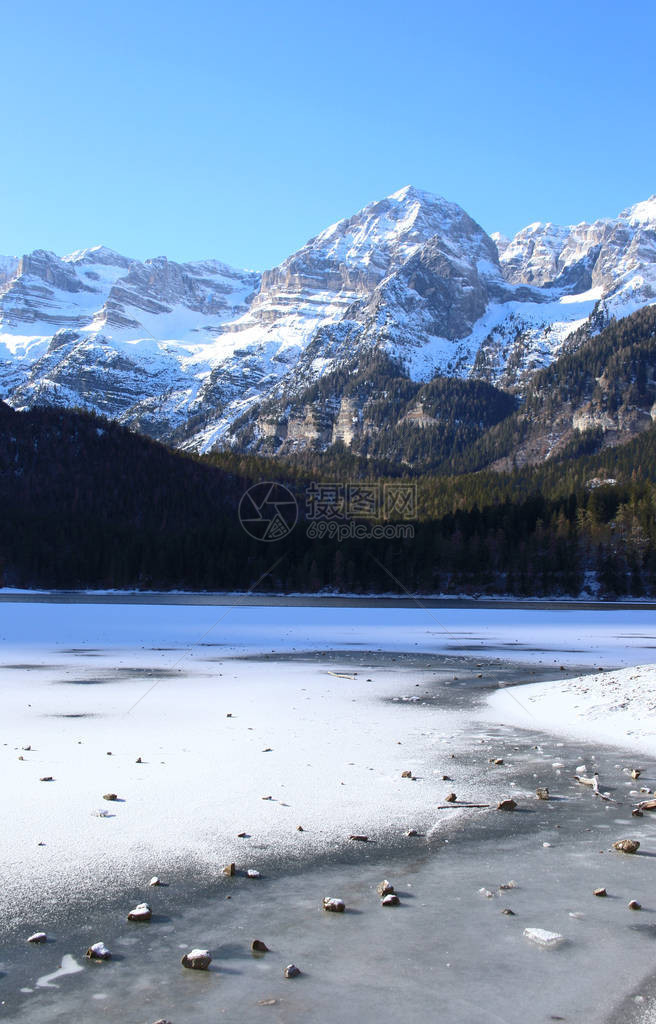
[240,130]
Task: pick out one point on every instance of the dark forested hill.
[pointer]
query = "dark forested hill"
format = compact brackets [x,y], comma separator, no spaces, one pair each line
[86,503]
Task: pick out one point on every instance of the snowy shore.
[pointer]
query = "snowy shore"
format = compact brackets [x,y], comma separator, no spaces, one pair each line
[617,708]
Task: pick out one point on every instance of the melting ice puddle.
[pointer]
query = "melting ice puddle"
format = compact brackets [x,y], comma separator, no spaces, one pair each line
[69,965]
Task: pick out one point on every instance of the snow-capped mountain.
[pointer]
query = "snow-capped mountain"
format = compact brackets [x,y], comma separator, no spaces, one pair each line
[201,354]
[103,331]
[618,257]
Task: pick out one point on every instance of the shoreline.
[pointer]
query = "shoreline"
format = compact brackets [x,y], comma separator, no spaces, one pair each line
[299,600]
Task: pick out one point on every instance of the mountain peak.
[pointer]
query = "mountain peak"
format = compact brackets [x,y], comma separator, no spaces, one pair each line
[641,213]
[412,193]
[98,254]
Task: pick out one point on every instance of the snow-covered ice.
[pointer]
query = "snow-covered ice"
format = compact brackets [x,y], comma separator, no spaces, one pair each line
[91,687]
[618,708]
[236,738]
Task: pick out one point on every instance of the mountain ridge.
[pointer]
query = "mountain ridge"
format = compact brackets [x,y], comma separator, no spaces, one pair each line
[185,351]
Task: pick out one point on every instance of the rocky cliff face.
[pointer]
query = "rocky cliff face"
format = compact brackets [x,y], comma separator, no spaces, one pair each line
[201,354]
[616,257]
[99,330]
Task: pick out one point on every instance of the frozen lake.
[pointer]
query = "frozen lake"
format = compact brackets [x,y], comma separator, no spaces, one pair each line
[258,719]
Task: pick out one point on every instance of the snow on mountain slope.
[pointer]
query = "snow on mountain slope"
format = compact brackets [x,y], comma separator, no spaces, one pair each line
[346,272]
[100,330]
[616,256]
[182,351]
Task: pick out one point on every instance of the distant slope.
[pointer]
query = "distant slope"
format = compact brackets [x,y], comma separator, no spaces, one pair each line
[600,392]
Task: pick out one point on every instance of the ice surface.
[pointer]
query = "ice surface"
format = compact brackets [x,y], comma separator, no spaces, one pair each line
[134,679]
[69,965]
[544,938]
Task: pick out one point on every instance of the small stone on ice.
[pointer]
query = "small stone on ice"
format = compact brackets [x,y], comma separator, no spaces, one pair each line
[257,946]
[412,832]
[141,912]
[508,912]
[38,937]
[197,960]
[384,888]
[229,869]
[334,905]
[542,793]
[633,905]
[506,805]
[486,892]
[360,838]
[391,900]
[599,892]
[541,937]
[291,971]
[253,873]
[627,845]
[450,798]
[110,796]
[155,881]
[98,951]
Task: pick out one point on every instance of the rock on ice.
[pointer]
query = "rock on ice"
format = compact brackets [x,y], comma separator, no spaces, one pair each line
[197,960]
[98,951]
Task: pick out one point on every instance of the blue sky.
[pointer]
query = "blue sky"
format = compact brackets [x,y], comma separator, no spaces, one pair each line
[240,130]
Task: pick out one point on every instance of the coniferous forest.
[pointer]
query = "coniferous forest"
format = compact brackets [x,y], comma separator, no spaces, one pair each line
[88,504]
